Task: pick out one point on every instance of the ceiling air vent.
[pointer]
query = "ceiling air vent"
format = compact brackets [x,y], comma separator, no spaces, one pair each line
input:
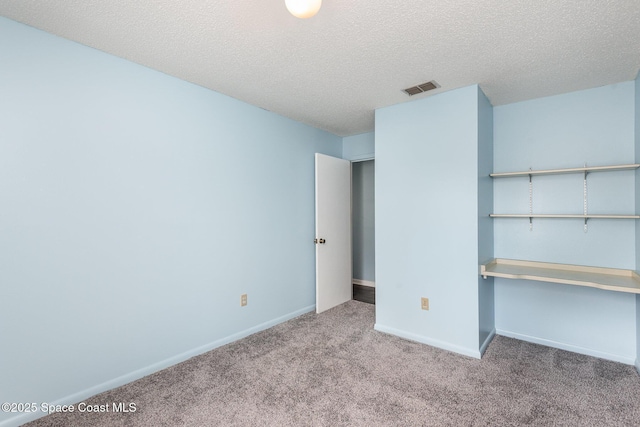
[421,88]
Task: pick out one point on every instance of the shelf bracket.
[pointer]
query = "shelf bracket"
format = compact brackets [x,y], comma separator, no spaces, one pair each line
[530,201]
[584,191]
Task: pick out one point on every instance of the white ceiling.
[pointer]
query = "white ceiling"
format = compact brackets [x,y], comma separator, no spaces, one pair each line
[333,70]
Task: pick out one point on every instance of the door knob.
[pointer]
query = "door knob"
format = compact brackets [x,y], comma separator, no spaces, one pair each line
[321,241]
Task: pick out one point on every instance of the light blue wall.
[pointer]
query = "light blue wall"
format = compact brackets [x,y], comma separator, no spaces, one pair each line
[427,220]
[485,223]
[637,195]
[136,209]
[358,147]
[363,224]
[596,127]
[637,189]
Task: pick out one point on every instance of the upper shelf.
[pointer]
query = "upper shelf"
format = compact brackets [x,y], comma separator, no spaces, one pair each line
[610,279]
[588,216]
[563,171]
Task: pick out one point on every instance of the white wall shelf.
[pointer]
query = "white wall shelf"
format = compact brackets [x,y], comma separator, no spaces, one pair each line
[589,216]
[610,279]
[583,170]
[565,171]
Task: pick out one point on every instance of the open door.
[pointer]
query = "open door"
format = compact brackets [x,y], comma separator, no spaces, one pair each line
[333,232]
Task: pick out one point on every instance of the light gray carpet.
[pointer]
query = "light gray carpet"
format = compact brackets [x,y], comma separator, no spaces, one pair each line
[333,369]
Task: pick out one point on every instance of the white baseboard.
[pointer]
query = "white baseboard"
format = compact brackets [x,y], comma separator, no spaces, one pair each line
[638,366]
[486,342]
[363,282]
[155,367]
[429,341]
[568,347]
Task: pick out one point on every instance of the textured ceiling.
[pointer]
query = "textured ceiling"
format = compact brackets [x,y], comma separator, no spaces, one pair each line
[333,70]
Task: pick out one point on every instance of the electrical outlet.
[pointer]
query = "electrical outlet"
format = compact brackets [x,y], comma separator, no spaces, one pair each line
[425,303]
[243,300]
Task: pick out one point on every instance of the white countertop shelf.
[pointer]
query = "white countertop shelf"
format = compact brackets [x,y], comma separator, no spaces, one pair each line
[609,279]
[564,171]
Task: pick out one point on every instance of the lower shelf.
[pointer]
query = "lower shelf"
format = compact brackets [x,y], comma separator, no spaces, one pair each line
[609,279]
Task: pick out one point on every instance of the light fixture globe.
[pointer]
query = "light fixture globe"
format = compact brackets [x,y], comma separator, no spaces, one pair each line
[303,8]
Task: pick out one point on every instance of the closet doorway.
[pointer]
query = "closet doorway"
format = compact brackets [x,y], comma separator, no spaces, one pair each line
[363,230]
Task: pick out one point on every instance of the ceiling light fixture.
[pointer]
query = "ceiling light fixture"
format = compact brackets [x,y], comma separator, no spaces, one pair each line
[303,8]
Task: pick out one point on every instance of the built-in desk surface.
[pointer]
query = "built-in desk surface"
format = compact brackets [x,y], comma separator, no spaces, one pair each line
[609,279]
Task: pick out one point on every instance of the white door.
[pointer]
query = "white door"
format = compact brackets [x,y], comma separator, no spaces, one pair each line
[333,232]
